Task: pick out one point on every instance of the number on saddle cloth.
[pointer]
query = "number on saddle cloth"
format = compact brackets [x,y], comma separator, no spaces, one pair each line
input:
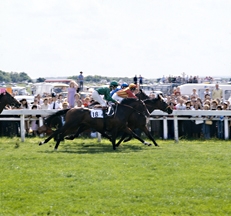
[96,113]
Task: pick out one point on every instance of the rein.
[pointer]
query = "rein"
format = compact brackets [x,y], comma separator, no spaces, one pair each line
[141,113]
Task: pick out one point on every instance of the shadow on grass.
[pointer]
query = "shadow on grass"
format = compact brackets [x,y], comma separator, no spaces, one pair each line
[93,148]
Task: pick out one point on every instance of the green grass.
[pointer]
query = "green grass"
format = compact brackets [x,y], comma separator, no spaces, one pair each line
[85,177]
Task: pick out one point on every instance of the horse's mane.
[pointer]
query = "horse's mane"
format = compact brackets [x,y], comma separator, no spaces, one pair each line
[153,99]
[128,100]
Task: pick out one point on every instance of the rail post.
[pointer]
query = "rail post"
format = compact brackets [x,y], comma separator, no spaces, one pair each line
[176,135]
[165,127]
[22,127]
[226,128]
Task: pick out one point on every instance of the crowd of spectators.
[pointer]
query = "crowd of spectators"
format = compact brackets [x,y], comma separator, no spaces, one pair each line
[193,128]
[185,79]
[187,128]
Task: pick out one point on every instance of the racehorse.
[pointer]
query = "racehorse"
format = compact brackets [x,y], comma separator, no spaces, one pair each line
[7,99]
[139,121]
[79,119]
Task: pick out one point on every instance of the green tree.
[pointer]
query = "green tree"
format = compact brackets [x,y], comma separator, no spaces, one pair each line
[40,79]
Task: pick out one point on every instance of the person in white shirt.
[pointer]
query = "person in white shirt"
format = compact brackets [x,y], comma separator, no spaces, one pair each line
[54,104]
[45,104]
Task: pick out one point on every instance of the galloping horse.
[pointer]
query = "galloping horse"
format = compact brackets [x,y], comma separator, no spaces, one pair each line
[7,99]
[79,119]
[139,121]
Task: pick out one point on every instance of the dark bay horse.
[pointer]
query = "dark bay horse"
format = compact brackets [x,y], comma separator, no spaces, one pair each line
[139,121]
[7,99]
[79,119]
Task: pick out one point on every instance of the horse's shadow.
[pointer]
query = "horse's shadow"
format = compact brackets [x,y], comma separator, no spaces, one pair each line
[92,148]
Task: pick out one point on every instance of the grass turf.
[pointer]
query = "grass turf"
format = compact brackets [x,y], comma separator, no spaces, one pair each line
[85,177]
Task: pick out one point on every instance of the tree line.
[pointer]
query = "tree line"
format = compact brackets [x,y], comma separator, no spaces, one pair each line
[16,77]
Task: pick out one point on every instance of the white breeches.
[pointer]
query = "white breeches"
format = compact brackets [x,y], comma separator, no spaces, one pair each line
[117,98]
[97,97]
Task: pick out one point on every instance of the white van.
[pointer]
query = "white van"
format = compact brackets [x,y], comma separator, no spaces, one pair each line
[186,89]
[18,90]
[48,88]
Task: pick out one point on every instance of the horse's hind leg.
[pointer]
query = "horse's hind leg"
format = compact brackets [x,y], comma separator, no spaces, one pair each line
[121,139]
[77,133]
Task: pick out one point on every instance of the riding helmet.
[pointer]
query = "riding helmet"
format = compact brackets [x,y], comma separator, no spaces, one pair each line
[113,83]
[132,86]
[124,85]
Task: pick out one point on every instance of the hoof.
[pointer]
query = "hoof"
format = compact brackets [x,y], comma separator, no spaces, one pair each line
[148,144]
[40,143]
[69,137]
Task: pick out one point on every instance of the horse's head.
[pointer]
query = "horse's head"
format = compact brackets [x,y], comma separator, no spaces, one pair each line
[45,129]
[158,103]
[141,95]
[9,99]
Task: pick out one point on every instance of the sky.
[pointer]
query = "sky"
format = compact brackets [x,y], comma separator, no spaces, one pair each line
[116,38]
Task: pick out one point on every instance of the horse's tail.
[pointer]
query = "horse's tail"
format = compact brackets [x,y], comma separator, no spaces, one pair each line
[56,114]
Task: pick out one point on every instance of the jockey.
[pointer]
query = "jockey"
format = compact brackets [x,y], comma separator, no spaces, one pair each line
[128,92]
[123,85]
[105,91]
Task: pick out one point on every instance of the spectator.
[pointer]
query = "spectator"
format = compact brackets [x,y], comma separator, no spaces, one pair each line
[217,92]
[194,93]
[54,104]
[36,102]
[207,92]
[71,93]
[207,97]
[78,102]
[65,105]
[40,100]
[220,124]
[140,80]
[135,79]
[25,105]
[60,99]
[206,125]
[80,79]
[34,123]
[45,104]
[86,101]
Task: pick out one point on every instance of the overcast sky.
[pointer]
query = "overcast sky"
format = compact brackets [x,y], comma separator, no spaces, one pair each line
[153,38]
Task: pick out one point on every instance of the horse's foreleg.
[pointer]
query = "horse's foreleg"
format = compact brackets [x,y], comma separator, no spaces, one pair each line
[57,144]
[49,138]
[148,134]
[130,132]
[60,130]
[113,139]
